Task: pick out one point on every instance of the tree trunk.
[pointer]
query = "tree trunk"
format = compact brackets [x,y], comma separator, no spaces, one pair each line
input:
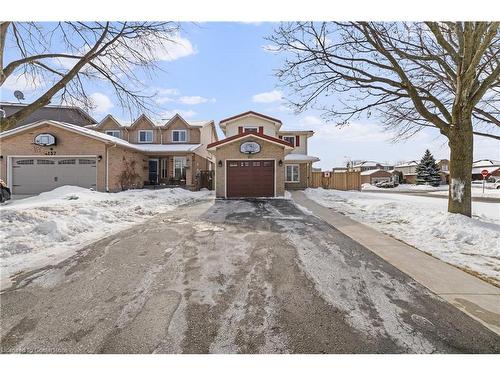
[461,154]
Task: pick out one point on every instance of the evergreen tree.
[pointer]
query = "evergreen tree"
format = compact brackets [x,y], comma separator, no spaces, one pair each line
[428,170]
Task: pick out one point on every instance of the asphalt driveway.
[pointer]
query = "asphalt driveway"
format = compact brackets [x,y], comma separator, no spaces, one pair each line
[231,277]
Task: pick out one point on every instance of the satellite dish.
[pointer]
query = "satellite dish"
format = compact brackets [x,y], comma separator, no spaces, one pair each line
[19,95]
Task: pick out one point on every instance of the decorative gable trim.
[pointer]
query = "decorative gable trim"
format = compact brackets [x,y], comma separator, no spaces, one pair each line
[143,117]
[172,120]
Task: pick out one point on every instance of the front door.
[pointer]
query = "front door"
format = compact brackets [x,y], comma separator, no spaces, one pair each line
[153,171]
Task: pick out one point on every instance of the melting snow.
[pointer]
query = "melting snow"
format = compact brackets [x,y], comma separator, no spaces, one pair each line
[51,226]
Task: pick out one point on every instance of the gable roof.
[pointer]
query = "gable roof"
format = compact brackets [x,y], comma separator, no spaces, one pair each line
[143,117]
[250,113]
[192,124]
[72,128]
[63,113]
[244,135]
[407,164]
[101,123]
[372,171]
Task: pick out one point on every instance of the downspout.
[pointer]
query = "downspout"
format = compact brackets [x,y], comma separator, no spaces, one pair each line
[107,167]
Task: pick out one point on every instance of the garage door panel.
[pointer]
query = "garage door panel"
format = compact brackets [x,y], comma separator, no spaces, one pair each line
[253,178]
[36,175]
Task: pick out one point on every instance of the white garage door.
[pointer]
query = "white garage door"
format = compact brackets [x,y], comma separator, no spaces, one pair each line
[36,175]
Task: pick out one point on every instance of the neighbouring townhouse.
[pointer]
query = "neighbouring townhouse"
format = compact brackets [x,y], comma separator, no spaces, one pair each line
[259,159]
[107,156]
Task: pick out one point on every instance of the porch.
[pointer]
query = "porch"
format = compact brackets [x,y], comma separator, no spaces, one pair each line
[189,171]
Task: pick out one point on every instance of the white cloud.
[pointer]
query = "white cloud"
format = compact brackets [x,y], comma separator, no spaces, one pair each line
[162,91]
[354,132]
[270,48]
[193,100]
[177,48]
[24,82]
[312,120]
[101,103]
[268,97]
[189,113]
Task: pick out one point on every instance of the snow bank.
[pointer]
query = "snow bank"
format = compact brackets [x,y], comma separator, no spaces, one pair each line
[406,187]
[51,226]
[477,189]
[471,243]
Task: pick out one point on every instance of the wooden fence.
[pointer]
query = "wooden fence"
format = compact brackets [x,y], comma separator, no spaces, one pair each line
[338,181]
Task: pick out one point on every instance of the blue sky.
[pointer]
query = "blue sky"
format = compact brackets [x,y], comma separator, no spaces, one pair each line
[221,69]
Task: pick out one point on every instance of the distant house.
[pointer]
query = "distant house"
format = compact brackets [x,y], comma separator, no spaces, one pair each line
[409,170]
[492,166]
[368,165]
[61,113]
[374,176]
[444,166]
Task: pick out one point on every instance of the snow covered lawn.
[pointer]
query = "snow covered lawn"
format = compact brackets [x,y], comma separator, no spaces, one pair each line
[51,226]
[469,243]
[406,187]
[477,189]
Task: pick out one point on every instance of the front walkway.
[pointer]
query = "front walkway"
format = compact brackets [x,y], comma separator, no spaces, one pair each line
[473,296]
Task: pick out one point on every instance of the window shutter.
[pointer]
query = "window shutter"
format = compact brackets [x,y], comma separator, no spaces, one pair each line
[240,129]
[261,129]
[297,140]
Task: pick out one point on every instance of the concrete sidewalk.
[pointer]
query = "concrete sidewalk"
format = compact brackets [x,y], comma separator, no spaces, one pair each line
[473,296]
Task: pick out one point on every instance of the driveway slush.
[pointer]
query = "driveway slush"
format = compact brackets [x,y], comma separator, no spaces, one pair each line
[235,276]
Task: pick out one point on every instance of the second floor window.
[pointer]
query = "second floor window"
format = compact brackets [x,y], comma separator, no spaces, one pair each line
[289,139]
[179,136]
[113,133]
[145,136]
[251,129]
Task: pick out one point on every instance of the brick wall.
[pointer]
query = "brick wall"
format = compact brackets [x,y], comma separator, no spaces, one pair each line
[68,143]
[232,152]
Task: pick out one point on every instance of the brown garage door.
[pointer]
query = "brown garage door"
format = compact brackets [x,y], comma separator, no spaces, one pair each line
[250,178]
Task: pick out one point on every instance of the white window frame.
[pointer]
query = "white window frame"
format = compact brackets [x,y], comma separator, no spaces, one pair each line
[113,133]
[292,137]
[145,132]
[163,168]
[245,129]
[179,131]
[286,173]
[184,158]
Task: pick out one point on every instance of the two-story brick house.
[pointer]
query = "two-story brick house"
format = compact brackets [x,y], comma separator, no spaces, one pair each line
[107,156]
[259,159]
[176,150]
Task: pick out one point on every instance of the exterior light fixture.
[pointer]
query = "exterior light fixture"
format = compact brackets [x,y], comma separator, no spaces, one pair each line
[99,158]
[220,163]
[280,163]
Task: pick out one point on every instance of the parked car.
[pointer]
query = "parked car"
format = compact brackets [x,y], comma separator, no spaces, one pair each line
[386,184]
[4,192]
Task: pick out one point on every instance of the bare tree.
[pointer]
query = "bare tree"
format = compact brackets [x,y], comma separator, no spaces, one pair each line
[61,58]
[414,75]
